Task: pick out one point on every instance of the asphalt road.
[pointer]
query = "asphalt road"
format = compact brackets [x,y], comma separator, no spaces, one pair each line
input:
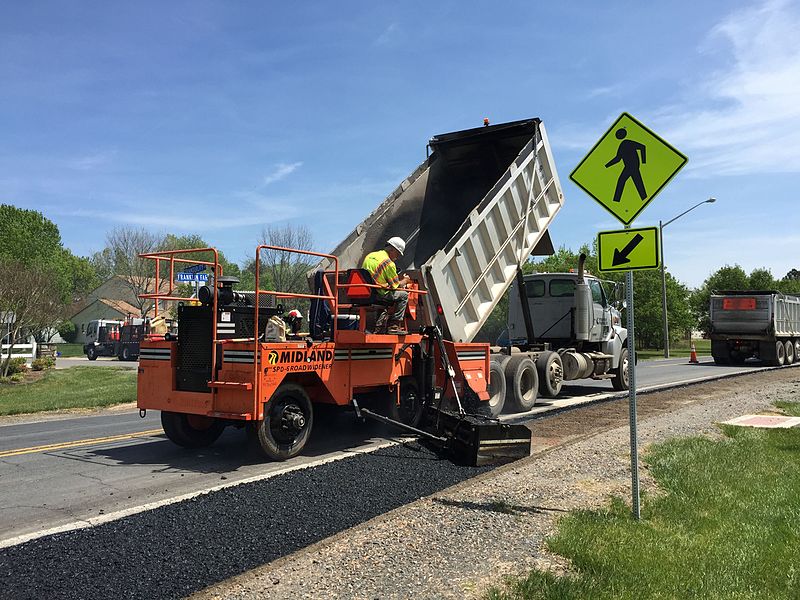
[102,361]
[59,471]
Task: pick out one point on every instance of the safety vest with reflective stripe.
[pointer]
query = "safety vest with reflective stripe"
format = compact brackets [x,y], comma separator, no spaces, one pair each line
[382,269]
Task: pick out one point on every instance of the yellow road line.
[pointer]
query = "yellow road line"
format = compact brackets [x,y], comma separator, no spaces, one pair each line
[89,442]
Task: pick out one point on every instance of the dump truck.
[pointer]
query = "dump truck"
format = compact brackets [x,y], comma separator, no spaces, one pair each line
[475,209]
[114,338]
[754,324]
[472,214]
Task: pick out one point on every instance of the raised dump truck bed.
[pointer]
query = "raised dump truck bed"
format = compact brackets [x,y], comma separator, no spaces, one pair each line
[478,206]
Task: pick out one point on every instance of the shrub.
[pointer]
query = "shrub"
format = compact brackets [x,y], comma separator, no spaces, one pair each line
[68,331]
[5,380]
[46,362]
[17,365]
[17,377]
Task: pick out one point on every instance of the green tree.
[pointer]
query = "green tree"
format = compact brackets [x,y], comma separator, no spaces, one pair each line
[761,279]
[726,278]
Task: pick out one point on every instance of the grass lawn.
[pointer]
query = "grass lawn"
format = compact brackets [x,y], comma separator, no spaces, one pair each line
[681,349]
[727,527]
[70,350]
[78,387]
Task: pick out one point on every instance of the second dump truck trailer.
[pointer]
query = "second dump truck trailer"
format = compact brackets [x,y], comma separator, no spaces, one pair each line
[752,323]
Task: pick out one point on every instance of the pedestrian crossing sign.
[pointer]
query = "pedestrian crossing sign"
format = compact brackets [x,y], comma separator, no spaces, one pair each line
[627,168]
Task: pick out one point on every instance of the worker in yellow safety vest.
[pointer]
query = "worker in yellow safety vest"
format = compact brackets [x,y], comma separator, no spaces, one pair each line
[381,266]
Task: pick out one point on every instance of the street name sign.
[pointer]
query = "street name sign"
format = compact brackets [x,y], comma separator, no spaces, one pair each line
[184,277]
[195,269]
[628,249]
[627,168]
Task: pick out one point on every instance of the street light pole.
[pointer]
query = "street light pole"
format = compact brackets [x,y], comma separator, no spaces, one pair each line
[663,272]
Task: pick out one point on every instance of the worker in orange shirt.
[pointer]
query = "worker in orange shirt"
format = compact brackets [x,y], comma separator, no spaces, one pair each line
[381,266]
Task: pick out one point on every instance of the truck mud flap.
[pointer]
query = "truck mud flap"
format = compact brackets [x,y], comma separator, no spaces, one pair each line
[474,440]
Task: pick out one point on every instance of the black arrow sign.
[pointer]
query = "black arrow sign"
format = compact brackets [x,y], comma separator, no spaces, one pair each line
[621,256]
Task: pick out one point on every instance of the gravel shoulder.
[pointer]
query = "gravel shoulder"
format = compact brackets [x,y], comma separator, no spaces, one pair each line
[457,542]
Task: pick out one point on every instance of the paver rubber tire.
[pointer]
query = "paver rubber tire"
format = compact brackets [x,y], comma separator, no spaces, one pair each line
[91,353]
[789,352]
[286,427]
[497,388]
[410,409]
[191,431]
[522,382]
[780,354]
[551,373]
[722,360]
[621,379]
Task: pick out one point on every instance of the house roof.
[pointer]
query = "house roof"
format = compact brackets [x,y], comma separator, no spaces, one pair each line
[121,306]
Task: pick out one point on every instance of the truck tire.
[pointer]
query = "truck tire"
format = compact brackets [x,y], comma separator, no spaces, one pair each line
[722,360]
[797,349]
[497,388]
[91,353]
[286,427]
[522,382]
[125,354]
[789,352]
[551,374]
[191,431]
[621,379]
[780,354]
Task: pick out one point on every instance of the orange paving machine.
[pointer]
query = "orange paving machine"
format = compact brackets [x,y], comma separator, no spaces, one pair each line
[232,363]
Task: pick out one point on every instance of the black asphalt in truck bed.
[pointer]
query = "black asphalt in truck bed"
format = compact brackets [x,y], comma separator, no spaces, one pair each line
[175,550]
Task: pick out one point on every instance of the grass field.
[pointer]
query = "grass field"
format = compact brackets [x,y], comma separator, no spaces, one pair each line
[78,387]
[679,350]
[727,527]
[70,350]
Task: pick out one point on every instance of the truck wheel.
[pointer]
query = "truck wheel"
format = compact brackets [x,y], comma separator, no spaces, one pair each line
[797,349]
[125,354]
[191,431]
[551,374]
[722,360]
[789,352]
[522,382]
[780,354]
[497,388]
[91,353]
[287,423]
[621,379]
[410,409]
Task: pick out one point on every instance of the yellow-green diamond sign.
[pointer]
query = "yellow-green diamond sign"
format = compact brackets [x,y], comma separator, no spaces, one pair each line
[628,249]
[627,168]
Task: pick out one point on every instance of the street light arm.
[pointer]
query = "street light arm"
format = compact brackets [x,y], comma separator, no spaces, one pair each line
[686,211]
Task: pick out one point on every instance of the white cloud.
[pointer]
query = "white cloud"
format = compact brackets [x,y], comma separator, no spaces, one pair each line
[388,35]
[745,118]
[282,170]
[90,162]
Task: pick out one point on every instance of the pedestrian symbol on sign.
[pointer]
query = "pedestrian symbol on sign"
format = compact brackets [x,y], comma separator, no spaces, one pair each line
[628,152]
[627,168]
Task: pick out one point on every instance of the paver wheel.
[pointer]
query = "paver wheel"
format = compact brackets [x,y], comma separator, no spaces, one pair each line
[522,382]
[410,409]
[621,380]
[191,431]
[287,423]
[551,374]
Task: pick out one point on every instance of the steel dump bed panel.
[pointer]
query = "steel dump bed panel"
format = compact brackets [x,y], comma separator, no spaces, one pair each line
[755,313]
[477,206]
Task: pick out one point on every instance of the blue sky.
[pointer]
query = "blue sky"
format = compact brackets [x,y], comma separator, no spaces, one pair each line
[218,118]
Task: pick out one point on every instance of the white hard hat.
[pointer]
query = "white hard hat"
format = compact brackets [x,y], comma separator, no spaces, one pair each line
[295,314]
[397,243]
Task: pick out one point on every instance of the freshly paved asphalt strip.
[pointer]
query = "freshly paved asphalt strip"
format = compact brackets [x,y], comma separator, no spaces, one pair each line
[178,549]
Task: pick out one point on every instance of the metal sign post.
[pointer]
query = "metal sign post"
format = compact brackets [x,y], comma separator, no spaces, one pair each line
[632,398]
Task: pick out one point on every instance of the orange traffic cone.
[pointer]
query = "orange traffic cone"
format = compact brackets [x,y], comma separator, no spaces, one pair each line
[693,356]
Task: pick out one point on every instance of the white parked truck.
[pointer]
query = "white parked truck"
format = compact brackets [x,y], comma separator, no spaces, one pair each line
[751,323]
[471,214]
